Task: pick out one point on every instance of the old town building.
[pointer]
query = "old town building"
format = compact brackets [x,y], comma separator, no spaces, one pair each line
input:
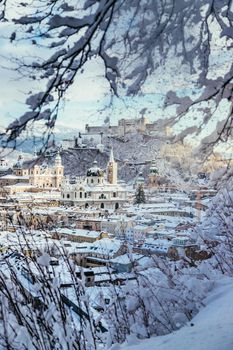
[96,190]
[44,176]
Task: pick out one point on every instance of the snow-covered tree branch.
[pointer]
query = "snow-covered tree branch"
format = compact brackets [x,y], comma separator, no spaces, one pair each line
[133,39]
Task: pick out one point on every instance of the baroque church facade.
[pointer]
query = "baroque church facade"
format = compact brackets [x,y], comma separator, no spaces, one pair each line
[23,177]
[97,189]
[44,176]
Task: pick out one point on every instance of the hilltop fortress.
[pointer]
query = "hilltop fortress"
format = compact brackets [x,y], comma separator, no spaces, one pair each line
[125,126]
[94,134]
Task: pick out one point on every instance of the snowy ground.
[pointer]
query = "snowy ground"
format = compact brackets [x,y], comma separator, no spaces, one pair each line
[212,328]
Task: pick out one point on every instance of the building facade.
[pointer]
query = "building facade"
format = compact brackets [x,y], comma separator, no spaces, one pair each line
[96,190]
[44,176]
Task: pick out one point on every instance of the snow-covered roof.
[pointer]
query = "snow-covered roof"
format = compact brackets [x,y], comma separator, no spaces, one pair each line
[126,258]
[78,232]
[14,177]
[105,246]
[158,245]
[20,184]
[140,228]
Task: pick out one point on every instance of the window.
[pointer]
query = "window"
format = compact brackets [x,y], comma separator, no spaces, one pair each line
[85,195]
[114,194]
[102,205]
[68,196]
[81,195]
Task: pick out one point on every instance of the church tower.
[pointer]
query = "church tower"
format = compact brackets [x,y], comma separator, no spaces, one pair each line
[59,171]
[112,170]
[153,174]
[18,167]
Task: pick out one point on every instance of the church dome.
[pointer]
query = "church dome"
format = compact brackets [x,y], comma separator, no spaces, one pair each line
[153,168]
[58,159]
[95,170]
[140,177]
[3,165]
[19,163]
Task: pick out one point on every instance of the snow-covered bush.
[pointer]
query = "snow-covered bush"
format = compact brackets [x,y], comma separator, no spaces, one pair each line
[216,231]
[36,312]
[160,300]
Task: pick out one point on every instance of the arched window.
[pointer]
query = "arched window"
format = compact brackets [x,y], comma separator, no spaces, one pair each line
[102,205]
[86,205]
[116,206]
[81,195]
[68,196]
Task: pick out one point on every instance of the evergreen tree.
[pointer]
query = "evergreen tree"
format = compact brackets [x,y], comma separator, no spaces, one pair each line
[140,195]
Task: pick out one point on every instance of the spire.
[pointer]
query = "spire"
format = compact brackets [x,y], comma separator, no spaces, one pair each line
[20,158]
[35,152]
[58,159]
[19,164]
[111,158]
[112,169]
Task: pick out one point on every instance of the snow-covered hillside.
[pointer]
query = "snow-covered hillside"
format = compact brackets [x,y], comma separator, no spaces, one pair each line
[211,329]
[133,155]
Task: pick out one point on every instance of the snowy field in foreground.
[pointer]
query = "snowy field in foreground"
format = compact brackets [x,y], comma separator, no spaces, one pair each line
[212,328]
